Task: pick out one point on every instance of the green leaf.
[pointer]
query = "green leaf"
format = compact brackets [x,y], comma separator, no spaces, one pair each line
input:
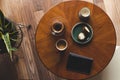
[1,29]
[7,42]
[13,49]
[7,25]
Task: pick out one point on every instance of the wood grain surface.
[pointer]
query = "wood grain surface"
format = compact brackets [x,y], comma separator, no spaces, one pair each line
[101,48]
[30,12]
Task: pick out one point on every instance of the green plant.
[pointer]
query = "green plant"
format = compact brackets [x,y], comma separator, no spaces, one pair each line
[8,34]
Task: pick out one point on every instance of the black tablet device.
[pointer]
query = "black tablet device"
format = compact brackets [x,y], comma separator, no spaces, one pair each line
[79,63]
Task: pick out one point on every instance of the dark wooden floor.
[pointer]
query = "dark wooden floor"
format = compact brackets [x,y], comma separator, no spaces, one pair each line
[29,12]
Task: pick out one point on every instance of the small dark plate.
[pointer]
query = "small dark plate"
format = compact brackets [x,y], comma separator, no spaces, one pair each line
[77,28]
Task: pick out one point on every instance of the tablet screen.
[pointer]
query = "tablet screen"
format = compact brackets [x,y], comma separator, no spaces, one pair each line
[79,63]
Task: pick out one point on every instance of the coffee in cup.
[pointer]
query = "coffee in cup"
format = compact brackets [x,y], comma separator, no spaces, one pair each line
[61,45]
[57,28]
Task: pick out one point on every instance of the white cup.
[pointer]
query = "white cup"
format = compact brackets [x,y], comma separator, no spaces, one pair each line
[84,13]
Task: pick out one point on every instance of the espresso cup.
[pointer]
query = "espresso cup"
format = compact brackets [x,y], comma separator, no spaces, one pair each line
[61,45]
[57,28]
[84,14]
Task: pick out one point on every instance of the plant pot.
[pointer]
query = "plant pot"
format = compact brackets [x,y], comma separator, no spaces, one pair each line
[7,68]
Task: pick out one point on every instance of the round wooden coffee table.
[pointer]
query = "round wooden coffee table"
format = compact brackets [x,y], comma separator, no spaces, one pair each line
[101,48]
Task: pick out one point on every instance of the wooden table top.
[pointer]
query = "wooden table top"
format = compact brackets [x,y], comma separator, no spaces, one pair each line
[101,48]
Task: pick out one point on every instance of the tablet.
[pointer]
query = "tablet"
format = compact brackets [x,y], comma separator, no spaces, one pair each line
[79,63]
